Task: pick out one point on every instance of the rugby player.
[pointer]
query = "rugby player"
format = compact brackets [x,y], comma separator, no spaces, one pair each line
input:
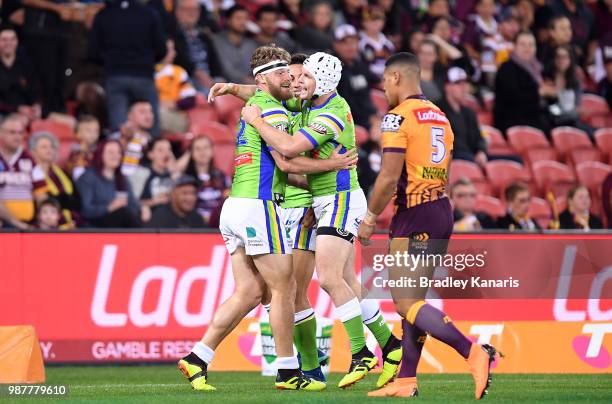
[417,143]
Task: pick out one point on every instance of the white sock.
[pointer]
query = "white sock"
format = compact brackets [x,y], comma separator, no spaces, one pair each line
[302,315]
[267,307]
[369,311]
[348,310]
[203,352]
[287,362]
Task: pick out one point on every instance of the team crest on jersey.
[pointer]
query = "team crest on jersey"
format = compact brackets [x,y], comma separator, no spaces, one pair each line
[319,128]
[391,123]
[25,165]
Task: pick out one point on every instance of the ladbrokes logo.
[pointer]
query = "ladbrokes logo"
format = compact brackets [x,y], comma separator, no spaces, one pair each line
[429,115]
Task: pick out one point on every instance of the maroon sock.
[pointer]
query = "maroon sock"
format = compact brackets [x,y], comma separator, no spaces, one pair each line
[438,325]
[413,340]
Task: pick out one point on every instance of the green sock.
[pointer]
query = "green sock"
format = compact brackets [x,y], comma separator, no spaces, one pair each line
[354,329]
[305,340]
[380,329]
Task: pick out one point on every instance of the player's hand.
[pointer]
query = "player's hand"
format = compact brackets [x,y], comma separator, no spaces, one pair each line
[250,113]
[308,221]
[219,89]
[344,161]
[365,232]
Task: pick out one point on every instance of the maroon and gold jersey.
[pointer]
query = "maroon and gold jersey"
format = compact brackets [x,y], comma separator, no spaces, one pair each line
[418,128]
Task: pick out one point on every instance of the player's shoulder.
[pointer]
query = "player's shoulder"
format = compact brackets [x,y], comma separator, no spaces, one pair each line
[265,101]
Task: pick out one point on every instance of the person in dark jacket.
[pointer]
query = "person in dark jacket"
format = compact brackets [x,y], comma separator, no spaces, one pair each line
[317,34]
[128,39]
[577,215]
[469,143]
[519,88]
[180,212]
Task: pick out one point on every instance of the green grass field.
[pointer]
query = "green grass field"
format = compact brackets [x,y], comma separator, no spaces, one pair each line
[164,384]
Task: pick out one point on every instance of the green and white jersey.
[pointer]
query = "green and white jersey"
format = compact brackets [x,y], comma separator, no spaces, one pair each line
[296,197]
[327,126]
[256,175]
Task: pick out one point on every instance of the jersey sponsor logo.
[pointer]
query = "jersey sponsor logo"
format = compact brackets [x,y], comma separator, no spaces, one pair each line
[244,158]
[283,127]
[432,173]
[429,115]
[391,123]
[317,127]
[251,232]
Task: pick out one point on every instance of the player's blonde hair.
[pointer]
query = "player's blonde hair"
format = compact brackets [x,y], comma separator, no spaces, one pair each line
[267,54]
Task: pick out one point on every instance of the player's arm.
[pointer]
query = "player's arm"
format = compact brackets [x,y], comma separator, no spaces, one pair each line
[298,181]
[242,91]
[307,165]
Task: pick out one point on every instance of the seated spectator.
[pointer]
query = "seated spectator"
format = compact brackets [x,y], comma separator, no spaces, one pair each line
[463,197]
[158,185]
[17,81]
[559,34]
[91,100]
[316,34]
[48,215]
[480,27]
[519,88]
[290,10]
[577,215]
[356,79]
[81,153]
[496,50]
[582,26]
[412,41]
[194,47]
[180,212]
[176,93]
[374,46]
[469,143]
[213,185]
[107,199]
[517,205]
[435,10]
[450,51]
[433,73]
[48,178]
[267,18]
[397,17]
[525,14]
[127,38]
[606,199]
[561,70]
[16,167]
[351,12]
[234,47]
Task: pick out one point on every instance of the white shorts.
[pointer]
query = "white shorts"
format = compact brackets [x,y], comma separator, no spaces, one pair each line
[299,237]
[343,211]
[253,224]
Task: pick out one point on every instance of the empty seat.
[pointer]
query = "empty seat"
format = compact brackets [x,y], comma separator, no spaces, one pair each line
[538,154]
[361,134]
[592,175]
[522,138]
[566,138]
[224,157]
[490,205]
[603,140]
[61,130]
[539,209]
[202,115]
[226,105]
[502,173]
[465,169]
[593,105]
[379,100]
[548,175]
[218,132]
[578,156]
[494,136]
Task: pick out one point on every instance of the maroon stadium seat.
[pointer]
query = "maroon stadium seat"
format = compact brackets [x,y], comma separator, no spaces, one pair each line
[502,173]
[226,107]
[603,140]
[578,156]
[522,138]
[202,115]
[554,176]
[61,130]
[218,132]
[224,157]
[540,211]
[497,145]
[592,105]
[566,138]
[539,154]
[465,169]
[490,205]
[379,100]
[592,174]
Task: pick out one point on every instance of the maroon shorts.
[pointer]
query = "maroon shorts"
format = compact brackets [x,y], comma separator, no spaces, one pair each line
[433,219]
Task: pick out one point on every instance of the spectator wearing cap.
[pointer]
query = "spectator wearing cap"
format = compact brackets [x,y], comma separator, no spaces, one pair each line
[316,34]
[180,212]
[519,88]
[235,47]
[267,19]
[374,46]
[351,12]
[49,180]
[17,80]
[128,39]
[496,49]
[517,217]
[463,198]
[577,216]
[433,74]
[194,48]
[469,143]
[356,78]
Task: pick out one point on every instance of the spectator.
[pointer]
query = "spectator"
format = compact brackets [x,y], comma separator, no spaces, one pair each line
[481,26]
[213,184]
[317,34]
[582,26]
[17,89]
[469,143]
[194,47]
[156,190]
[519,88]
[176,93]
[517,204]
[48,178]
[466,218]
[577,214]
[559,34]
[412,41]
[180,212]
[450,52]
[290,9]
[235,47]
[267,18]
[107,199]
[351,12]
[397,18]
[128,38]
[356,79]
[604,87]
[435,10]
[81,153]
[16,167]
[91,100]
[496,49]
[374,46]
[603,16]
[525,14]
[432,72]
[368,165]
[606,199]
[48,215]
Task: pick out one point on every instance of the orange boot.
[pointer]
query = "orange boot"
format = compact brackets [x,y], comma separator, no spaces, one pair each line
[401,387]
[480,359]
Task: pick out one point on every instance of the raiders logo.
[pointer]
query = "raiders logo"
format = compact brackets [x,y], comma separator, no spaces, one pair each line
[342,232]
[391,123]
[319,128]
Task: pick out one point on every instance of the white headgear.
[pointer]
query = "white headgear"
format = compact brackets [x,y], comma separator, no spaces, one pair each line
[326,70]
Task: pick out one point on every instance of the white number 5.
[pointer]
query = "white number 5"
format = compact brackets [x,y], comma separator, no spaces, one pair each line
[437,142]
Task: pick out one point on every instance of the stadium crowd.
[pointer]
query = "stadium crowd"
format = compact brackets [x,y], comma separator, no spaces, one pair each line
[105,121]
